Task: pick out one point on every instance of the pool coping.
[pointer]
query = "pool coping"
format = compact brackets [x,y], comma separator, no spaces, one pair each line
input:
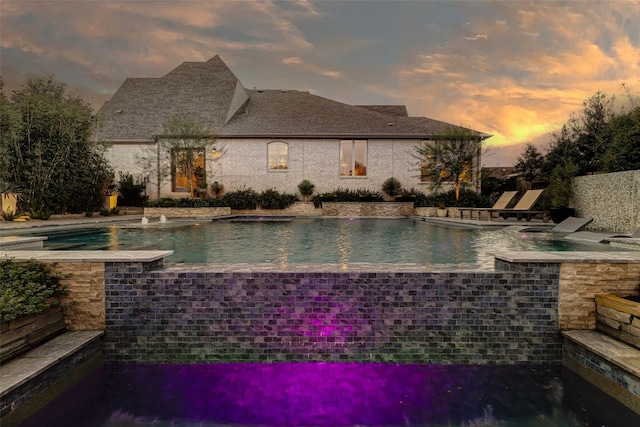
[24,368]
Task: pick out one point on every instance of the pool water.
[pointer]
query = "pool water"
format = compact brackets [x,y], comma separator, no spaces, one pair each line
[315,240]
[331,394]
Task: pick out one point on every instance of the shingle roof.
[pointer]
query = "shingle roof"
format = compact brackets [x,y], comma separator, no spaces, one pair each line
[214,95]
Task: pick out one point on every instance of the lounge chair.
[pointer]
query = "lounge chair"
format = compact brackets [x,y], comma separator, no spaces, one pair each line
[602,237]
[569,225]
[522,209]
[501,203]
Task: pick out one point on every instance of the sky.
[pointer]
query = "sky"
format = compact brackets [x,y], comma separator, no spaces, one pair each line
[514,69]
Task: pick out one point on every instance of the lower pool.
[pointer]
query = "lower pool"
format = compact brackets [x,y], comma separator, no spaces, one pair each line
[315,240]
[332,394]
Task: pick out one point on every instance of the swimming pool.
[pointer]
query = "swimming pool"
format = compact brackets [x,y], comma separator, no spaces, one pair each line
[314,240]
[331,394]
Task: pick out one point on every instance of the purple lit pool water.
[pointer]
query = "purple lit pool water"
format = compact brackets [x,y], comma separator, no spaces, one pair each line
[331,394]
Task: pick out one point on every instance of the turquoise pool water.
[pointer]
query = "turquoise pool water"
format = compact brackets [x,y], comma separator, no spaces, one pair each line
[317,240]
[332,395]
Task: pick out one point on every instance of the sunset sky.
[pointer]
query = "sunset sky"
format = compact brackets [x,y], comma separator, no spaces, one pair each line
[513,69]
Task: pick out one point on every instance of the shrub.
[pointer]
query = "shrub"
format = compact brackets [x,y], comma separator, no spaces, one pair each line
[391,187]
[468,198]
[40,214]
[244,198]
[131,191]
[358,195]
[27,288]
[9,216]
[306,188]
[272,199]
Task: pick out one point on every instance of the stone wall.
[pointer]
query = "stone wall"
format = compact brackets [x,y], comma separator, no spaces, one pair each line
[84,305]
[581,282]
[297,209]
[186,212]
[380,209]
[612,200]
[619,317]
[201,314]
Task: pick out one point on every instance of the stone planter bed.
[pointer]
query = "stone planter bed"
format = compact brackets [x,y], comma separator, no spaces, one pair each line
[619,317]
[26,332]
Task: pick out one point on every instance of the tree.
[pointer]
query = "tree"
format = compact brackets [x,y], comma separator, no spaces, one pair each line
[449,157]
[530,163]
[623,152]
[47,147]
[183,141]
[592,132]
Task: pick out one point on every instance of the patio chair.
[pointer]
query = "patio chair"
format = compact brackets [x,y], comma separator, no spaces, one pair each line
[570,225]
[501,203]
[522,209]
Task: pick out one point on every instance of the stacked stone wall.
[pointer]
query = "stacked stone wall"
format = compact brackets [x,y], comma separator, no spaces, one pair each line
[581,282]
[187,212]
[355,209]
[84,305]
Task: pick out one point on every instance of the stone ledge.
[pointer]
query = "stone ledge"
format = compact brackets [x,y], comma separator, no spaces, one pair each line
[86,256]
[26,367]
[608,348]
[566,256]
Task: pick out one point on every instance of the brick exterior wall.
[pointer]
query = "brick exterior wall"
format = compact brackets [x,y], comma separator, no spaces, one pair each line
[200,315]
[244,164]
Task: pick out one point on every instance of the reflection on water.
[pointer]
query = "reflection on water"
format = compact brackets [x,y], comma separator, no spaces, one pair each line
[305,240]
[329,394]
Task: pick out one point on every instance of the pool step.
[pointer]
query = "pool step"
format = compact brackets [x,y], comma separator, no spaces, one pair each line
[27,378]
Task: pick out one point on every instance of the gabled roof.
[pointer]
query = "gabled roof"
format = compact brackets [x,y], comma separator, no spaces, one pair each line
[210,92]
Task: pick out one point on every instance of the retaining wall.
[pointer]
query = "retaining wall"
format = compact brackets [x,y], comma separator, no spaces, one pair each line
[612,200]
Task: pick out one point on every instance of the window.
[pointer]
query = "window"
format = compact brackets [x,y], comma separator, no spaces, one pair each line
[353,157]
[278,155]
[180,179]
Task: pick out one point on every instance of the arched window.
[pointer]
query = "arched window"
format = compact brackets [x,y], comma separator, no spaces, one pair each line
[278,156]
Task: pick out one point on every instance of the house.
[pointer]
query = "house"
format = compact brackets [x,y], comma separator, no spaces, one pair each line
[265,138]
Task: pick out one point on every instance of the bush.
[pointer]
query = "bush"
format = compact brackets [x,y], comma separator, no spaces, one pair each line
[27,288]
[244,198]
[358,195]
[272,199]
[9,216]
[468,198]
[40,214]
[392,187]
[306,188]
[131,191]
